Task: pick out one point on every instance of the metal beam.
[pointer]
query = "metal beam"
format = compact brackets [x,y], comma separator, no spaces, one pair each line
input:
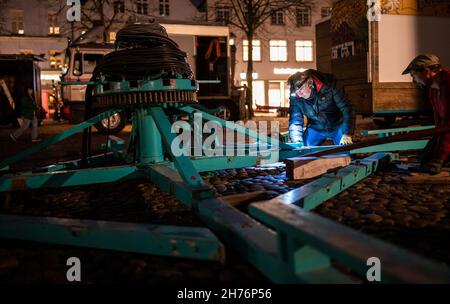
[57,179]
[204,164]
[390,132]
[238,128]
[258,245]
[173,241]
[345,245]
[182,163]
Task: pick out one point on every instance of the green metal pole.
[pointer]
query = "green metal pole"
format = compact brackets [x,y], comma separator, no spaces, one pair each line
[150,143]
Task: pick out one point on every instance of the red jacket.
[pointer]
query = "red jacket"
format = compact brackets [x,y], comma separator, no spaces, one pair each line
[439,97]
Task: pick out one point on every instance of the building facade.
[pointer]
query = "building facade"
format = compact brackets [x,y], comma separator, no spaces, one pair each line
[284,44]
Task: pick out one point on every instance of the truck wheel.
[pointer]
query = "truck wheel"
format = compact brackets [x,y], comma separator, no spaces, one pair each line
[116,123]
[385,121]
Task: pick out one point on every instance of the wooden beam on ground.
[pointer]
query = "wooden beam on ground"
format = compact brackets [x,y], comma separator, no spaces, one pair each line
[421,178]
[310,167]
[237,199]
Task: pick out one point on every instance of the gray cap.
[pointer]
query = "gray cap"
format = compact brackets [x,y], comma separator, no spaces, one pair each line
[421,62]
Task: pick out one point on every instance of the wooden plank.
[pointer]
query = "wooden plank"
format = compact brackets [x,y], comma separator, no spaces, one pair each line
[422,178]
[310,167]
[237,199]
[7,93]
[398,99]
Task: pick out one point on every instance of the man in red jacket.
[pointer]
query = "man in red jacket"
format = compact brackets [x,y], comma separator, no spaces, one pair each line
[427,71]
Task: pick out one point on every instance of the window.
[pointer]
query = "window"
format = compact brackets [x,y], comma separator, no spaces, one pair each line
[256,50]
[53,27]
[119,6]
[55,59]
[303,16]
[90,60]
[278,94]
[17,22]
[222,14]
[277,18]
[112,37]
[66,65]
[325,12]
[304,50]
[258,91]
[77,64]
[142,7]
[278,50]
[164,8]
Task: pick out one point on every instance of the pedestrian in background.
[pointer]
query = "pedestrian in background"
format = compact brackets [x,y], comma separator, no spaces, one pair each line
[29,111]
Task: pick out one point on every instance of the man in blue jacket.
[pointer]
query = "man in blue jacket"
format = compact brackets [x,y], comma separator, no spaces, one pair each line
[316,96]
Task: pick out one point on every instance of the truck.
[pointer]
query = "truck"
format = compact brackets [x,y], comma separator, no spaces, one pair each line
[368,53]
[208,53]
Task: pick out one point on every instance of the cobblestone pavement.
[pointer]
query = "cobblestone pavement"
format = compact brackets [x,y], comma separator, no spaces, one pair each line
[412,216]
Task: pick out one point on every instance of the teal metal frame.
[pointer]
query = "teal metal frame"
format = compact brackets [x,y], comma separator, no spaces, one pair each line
[389,132]
[187,242]
[281,239]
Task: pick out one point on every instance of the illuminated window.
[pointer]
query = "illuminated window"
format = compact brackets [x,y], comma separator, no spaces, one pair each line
[164,8]
[304,50]
[256,50]
[277,18]
[53,27]
[142,7]
[90,61]
[17,22]
[278,94]
[258,92]
[112,37]
[278,50]
[55,60]
[303,16]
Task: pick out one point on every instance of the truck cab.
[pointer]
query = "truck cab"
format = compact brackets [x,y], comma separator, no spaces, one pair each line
[79,63]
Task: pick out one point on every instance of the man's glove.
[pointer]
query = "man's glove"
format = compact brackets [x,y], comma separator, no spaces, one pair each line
[346,140]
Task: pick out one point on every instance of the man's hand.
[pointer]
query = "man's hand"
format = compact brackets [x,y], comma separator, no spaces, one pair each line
[346,140]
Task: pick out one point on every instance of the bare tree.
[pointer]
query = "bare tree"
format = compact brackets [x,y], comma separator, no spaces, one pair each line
[107,13]
[95,13]
[249,16]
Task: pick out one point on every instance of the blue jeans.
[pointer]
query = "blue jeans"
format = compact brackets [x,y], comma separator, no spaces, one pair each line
[312,137]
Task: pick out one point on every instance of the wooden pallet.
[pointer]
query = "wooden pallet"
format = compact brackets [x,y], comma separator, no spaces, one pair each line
[7,93]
